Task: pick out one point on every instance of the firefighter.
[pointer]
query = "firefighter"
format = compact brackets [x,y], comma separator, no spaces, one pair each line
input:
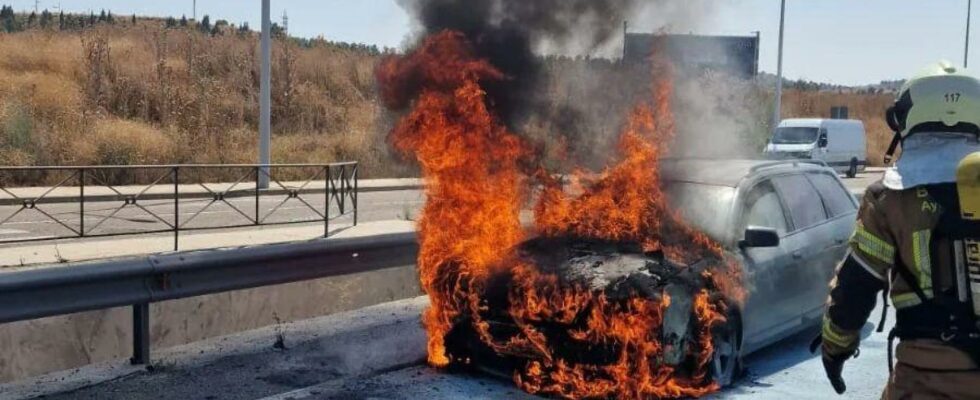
[918,239]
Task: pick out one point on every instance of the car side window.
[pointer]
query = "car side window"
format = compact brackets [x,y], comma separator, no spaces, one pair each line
[835,197]
[763,209]
[805,207]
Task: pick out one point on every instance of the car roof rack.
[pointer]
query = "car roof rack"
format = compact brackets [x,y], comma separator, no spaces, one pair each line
[795,163]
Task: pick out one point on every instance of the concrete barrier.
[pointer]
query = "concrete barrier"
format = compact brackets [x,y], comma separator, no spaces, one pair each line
[30,348]
[259,362]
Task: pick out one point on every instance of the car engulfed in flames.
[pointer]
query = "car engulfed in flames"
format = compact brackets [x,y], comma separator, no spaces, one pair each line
[502,337]
[607,294]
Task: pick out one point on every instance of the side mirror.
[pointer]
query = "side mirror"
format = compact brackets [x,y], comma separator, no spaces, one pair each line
[822,142]
[760,237]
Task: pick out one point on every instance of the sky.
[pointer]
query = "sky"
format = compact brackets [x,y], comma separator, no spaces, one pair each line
[848,42]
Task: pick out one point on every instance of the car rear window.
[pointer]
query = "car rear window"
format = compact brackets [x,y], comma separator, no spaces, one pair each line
[805,207]
[837,199]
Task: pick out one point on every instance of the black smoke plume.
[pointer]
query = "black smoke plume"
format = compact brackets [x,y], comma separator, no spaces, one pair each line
[506,32]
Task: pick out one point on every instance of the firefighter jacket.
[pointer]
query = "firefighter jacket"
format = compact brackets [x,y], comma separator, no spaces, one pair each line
[893,227]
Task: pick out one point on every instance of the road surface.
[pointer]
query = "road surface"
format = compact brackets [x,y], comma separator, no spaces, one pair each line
[785,370]
[331,365]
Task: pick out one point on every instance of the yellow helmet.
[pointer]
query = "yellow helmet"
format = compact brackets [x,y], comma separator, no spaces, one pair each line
[940,98]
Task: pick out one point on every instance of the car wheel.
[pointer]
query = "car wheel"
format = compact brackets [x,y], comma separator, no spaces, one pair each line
[726,360]
[853,170]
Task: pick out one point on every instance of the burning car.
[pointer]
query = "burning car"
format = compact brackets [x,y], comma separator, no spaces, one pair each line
[646,279]
[785,222]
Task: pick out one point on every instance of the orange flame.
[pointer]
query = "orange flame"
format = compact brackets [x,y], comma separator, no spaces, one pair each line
[476,186]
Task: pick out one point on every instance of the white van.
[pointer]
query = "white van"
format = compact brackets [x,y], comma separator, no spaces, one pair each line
[838,142]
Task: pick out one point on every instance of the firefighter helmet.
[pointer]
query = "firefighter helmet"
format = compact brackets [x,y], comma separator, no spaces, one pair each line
[940,98]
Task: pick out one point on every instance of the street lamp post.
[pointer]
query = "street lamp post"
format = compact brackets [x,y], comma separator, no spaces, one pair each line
[265,98]
[966,51]
[777,114]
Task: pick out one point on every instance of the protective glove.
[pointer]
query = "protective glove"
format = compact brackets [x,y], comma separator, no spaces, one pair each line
[833,365]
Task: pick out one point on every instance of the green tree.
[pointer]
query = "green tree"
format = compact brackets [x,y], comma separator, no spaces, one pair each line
[277,30]
[102,16]
[109,18]
[8,19]
[171,22]
[46,19]
[31,19]
[134,19]
[205,24]
[183,21]
[61,21]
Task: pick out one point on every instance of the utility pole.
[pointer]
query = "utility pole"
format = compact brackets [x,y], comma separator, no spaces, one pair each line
[194,11]
[966,52]
[285,22]
[626,25]
[37,5]
[265,98]
[778,113]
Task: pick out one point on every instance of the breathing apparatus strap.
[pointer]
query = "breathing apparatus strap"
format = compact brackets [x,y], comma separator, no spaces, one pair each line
[884,307]
[911,280]
[890,154]
[891,117]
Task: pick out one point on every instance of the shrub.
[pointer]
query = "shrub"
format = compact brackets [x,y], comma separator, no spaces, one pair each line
[17,129]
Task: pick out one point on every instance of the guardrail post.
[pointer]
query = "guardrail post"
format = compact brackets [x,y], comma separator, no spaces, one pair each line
[81,202]
[357,167]
[258,184]
[176,208]
[343,189]
[326,201]
[141,334]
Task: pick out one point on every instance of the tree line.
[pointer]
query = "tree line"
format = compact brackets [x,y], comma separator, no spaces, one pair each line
[12,22]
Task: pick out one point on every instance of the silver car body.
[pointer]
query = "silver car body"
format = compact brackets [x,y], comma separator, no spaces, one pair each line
[815,214]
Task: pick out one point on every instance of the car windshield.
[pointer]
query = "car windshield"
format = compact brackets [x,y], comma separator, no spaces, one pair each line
[795,135]
[706,207]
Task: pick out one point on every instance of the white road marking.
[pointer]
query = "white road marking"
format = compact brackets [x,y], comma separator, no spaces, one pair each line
[11,232]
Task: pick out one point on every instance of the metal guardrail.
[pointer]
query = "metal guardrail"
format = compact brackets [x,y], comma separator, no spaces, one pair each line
[138,282]
[339,191]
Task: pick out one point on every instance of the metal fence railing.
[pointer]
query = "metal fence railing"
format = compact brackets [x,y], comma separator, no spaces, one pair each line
[28,294]
[105,201]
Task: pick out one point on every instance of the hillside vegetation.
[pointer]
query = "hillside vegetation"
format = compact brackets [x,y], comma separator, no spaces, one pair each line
[91,90]
[143,93]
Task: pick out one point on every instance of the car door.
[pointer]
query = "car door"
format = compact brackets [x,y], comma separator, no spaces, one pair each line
[807,243]
[842,211]
[768,306]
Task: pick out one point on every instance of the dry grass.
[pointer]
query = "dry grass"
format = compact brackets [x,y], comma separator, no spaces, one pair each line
[150,95]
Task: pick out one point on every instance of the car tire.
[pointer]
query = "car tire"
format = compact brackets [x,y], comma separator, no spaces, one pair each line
[852,171]
[726,360]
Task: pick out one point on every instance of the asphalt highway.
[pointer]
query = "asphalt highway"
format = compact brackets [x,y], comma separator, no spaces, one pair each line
[323,360]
